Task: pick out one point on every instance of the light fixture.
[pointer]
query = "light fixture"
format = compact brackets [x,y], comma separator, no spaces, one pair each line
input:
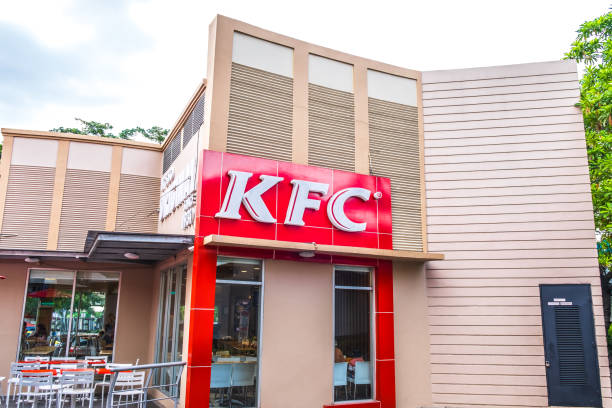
[306,254]
[131,255]
[32,260]
[2,277]
[243,271]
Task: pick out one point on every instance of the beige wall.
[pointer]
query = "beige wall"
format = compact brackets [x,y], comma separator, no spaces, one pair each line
[412,363]
[297,342]
[134,328]
[508,203]
[12,290]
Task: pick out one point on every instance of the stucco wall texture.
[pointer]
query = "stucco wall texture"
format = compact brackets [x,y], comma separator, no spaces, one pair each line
[508,203]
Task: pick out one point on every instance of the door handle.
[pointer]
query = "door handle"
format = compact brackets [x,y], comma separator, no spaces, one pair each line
[547,363]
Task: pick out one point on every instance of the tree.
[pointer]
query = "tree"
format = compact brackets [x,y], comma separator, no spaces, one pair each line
[593,47]
[155,133]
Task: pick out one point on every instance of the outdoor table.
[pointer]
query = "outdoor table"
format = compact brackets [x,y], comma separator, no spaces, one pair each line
[39,350]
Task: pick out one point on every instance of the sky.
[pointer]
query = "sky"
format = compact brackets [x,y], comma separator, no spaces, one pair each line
[137,62]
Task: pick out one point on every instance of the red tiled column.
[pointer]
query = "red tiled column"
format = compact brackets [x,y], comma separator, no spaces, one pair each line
[201,318]
[385,348]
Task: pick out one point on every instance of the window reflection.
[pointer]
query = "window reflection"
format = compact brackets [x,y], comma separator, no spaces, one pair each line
[236,327]
[69,313]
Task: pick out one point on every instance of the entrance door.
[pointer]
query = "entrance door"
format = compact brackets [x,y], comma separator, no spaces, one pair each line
[572,369]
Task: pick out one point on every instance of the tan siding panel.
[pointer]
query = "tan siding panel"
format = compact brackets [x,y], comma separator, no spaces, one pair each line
[508,203]
[138,204]
[394,153]
[260,113]
[331,128]
[27,207]
[83,207]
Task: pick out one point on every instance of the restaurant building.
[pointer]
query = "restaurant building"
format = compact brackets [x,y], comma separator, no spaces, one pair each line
[320,229]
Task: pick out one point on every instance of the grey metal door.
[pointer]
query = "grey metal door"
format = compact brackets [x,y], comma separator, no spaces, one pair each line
[572,368]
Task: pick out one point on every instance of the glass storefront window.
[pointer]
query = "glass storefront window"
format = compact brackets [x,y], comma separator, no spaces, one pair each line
[353,364]
[236,332]
[171,323]
[69,313]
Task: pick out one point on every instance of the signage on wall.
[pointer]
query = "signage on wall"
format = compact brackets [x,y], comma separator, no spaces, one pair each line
[179,191]
[260,198]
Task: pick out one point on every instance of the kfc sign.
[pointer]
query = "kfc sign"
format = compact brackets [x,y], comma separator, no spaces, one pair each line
[259,198]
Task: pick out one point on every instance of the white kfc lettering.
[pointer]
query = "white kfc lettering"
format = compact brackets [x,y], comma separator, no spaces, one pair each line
[299,200]
[298,203]
[251,199]
[335,209]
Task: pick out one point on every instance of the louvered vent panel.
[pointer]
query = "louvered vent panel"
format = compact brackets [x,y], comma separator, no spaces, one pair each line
[28,207]
[138,204]
[394,153]
[83,207]
[331,128]
[167,158]
[260,113]
[188,128]
[570,345]
[198,119]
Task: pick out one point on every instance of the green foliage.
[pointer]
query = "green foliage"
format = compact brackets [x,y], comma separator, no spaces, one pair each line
[593,47]
[155,133]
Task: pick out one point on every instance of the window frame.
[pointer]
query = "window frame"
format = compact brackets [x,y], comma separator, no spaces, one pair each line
[372,290]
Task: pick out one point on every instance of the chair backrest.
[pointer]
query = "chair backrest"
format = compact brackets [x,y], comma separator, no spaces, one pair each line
[82,377]
[243,374]
[130,379]
[16,368]
[221,375]
[36,358]
[97,358]
[363,374]
[228,359]
[36,380]
[117,365]
[63,366]
[340,373]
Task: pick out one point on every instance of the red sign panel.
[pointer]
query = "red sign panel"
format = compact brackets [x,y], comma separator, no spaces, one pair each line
[258,198]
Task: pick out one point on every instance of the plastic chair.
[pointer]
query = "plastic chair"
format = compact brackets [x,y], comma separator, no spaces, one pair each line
[228,359]
[61,358]
[35,385]
[76,384]
[106,379]
[129,384]
[243,375]
[36,358]
[13,380]
[363,375]
[221,378]
[341,377]
[63,366]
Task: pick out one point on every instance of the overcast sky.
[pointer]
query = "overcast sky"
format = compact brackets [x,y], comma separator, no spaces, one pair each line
[136,63]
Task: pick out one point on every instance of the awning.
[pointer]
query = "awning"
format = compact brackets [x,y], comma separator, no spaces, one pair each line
[104,246]
[359,252]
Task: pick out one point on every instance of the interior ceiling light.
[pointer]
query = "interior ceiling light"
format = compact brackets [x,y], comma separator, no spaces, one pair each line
[32,260]
[243,271]
[307,254]
[2,277]
[131,255]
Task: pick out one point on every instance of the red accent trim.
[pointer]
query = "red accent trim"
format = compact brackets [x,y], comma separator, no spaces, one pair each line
[385,346]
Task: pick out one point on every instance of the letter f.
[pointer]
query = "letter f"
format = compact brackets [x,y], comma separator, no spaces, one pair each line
[251,199]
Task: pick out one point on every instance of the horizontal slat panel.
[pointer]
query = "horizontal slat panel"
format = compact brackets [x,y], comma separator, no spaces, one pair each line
[496,82]
[477,117]
[331,128]
[501,90]
[508,173]
[83,207]
[482,297]
[510,182]
[491,350]
[503,156]
[501,282]
[487,330]
[512,200]
[514,227]
[501,106]
[506,148]
[486,99]
[260,113]
[514,263]
[542,273]
[394,153]
[487,340]
[499,359]
[491,390]
[522,254]
[496,72]
[486,369]
[27,207]
[511,209]
[477,142]
[138,204]
[506,165]
[507,131]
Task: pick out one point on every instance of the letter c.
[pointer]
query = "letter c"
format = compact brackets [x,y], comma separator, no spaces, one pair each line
[335,209]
